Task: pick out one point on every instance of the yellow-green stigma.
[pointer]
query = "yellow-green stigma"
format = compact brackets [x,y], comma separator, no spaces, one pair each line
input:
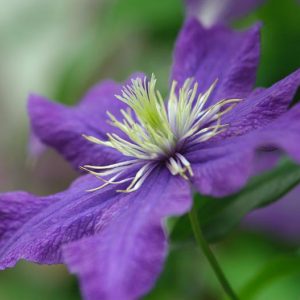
[157,131]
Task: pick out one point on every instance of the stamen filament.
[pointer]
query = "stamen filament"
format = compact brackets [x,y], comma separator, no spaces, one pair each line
[156,132]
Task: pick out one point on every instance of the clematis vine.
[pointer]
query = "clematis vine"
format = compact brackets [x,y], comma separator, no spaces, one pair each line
[144,163]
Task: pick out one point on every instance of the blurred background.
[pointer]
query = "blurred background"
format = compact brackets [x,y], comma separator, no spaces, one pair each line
[59,49]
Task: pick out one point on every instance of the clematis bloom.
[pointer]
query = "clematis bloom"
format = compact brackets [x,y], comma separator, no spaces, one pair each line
[108,227]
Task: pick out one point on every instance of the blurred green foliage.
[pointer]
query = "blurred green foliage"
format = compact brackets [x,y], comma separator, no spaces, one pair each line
[127,36]
[280,39]
[245,257]
[28,281]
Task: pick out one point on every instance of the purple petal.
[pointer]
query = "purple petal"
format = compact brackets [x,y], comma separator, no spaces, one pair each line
[217,53]
[280,219]
[262,106]
[124,259]
[120,244]
[16,208]
[34,228]
[61,127]
[211,12]
[223,167]
[35,146]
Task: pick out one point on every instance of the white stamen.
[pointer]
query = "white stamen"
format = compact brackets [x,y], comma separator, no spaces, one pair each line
[157,130]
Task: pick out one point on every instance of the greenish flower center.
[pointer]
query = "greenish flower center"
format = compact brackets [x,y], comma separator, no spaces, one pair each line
[156,130]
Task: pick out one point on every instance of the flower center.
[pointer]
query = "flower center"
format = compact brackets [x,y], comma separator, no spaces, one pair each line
[156,131]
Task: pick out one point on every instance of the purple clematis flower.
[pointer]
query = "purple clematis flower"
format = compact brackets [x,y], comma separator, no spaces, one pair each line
[211,12]
[148,157]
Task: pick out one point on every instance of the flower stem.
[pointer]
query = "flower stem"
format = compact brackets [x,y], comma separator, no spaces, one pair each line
[209,255]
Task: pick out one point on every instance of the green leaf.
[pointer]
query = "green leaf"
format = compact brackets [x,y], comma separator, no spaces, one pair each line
[274,270]
[219,216]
